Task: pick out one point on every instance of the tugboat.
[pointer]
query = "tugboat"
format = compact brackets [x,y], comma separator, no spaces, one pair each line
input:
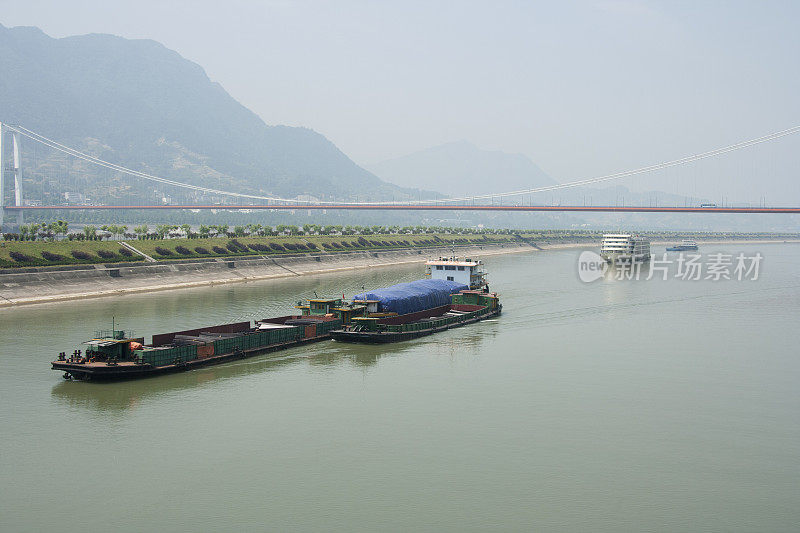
[683,246]
[456,294]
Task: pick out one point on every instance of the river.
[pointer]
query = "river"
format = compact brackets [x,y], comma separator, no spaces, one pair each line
[605,406]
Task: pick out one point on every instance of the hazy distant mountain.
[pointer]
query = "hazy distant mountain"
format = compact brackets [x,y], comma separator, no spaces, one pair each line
[460,168]
[136,103]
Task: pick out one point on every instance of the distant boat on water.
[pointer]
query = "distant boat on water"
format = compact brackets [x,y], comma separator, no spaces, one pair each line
[684,246]
[624,248]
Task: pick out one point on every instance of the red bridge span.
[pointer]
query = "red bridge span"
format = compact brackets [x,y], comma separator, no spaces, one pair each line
[423,207]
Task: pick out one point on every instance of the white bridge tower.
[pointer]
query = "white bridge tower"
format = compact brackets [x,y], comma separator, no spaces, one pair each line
[10,166]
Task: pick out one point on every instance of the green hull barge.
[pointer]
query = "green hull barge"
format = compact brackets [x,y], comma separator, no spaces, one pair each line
[119,354]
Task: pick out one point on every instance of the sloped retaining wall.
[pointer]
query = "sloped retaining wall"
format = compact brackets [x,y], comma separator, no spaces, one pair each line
[29,285]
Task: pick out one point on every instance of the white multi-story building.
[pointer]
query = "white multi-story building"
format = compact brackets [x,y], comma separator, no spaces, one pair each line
[75,197]
[623,247]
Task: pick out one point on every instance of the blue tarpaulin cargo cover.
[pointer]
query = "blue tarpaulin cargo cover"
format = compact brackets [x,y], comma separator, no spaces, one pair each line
[414,296]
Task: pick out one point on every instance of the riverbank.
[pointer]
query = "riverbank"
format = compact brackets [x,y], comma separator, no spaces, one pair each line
[668,243]
[58,285]
[48,285]
[50,252]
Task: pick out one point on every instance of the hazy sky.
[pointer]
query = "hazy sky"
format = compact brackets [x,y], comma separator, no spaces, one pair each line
[582,88]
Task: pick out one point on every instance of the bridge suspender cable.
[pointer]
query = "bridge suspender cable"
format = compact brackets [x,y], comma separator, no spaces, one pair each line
[577,183]
[100,162]
[642,170]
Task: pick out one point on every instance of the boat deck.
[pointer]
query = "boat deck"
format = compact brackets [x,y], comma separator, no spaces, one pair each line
[99,364]
[129,369]
[381,337]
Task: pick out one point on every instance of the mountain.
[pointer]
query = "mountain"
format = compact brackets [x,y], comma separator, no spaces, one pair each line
[460,168]
[141,105]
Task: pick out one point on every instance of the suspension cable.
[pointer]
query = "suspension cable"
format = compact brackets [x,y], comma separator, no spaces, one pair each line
[577,183]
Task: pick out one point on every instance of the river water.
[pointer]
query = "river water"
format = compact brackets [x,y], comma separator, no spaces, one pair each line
[605,406]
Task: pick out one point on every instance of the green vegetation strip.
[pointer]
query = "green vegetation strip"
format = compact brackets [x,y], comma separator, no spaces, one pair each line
[46,253]
[66,252]
[54,252]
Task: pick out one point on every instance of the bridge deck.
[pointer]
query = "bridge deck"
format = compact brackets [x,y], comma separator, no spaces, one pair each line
[428,207]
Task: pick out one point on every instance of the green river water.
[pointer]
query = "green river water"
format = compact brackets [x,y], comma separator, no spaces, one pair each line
[606,406]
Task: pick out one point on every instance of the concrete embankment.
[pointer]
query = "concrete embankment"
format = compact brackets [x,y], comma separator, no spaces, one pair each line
[52,284]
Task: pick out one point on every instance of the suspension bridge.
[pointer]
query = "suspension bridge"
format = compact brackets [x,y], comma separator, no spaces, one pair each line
[60,190]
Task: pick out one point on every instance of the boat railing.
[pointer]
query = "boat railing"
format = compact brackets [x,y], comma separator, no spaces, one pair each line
[116,334]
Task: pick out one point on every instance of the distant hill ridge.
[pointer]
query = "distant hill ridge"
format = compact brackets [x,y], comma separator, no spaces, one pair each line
[460,167]
[144,106]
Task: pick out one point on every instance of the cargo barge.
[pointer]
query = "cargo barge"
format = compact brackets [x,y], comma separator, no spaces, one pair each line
[455,295]
[467,307]
[119,354]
